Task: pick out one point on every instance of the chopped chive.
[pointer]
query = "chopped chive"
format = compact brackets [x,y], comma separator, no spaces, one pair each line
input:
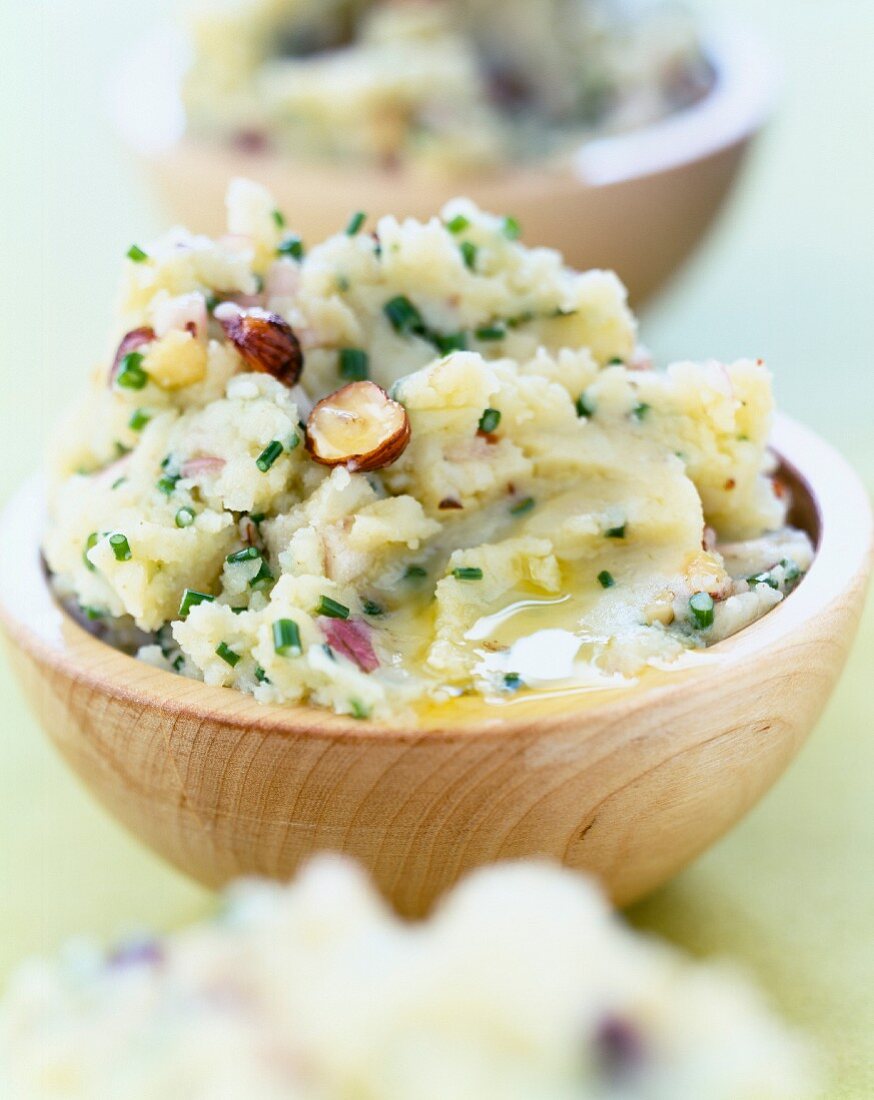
[415,572]
[513,681]
[371,608]
[262,579]
[403,315]
[92,614]
[469,253]
[136,254]
[701,607]
[279,218]
[90,543]
[640,410]
[791,570]
[354,364]
[178,662]
[259,517]
[520,319]
[224,651]
[191,598]
[342,283]
[286,638]
[131,375]
[762,578]
[259,283]
[293,441]
[291,246]
[185,517]
[490,332]
[355,223]
[468,573]
[328,652]
[211,302]
[456,341]
[239,610]
[584,407]
[331,608]
[121,450]
[615,532]
[606,579]
[119,481]
[268,456]
[261,675]
[458,224]
[489,421]
[248,553]
[511,229]
[139,419]
[120,546]
[359,710]
[616,361]
[522,506]
[167,483]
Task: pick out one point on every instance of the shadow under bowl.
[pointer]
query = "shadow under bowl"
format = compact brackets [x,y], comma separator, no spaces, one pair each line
[629,784]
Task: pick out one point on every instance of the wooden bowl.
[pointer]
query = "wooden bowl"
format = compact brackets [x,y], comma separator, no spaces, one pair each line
[638,203]
[629,784]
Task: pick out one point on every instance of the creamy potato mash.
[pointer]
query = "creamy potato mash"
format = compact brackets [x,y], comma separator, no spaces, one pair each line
[404,465]
[523,986]
[441,83]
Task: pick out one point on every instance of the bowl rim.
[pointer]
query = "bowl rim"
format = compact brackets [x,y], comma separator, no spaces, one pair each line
[35,622]
[150,119]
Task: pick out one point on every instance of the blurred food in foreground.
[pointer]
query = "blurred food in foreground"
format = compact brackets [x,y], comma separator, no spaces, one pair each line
[523,986]
[445,83]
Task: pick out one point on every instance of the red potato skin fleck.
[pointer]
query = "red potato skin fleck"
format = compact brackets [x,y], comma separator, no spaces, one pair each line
[351,638]
[131,341]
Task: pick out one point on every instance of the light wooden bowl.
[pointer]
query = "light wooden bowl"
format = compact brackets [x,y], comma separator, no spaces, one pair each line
[630,784]
[638,203]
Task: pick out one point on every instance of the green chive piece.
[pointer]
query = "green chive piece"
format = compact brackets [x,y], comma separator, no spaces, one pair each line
[520,319]
[120,546]
[415,572]
[403,315]
[701,608]
[131,375]
[178,662]
[279,218]
[92,614]
[616,361]
[371,608]
[791,570]
[286,638]
[262,579]
[489,421]
[490,332]
[359,710]
[292,246]
[239,610]
[584,406]
[522,506]
[511,229]
[513,681]
[293,441]
[469,253]
[615,532]
[261,675]
[456,341]
[259,517]
[762,578]
[90,543]
[185,517]
[248,553]
[458,224]
[332,609]
[191,598]
[468,573]
[268,456]
[167,483]
[211,302]
[640,410]
[224,651]
[136,254]
[354,364]
[355,223]
[119,481]
[139,419]
[606,579]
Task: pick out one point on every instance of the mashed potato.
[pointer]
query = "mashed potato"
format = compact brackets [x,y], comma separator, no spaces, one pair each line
[444,84]
[520,502]
[523,986]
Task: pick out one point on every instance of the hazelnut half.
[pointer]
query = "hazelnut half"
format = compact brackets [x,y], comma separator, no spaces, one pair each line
[266,343]
[359,426]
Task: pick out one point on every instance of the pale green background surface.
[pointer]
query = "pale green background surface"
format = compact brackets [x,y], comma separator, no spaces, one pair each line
[788,276]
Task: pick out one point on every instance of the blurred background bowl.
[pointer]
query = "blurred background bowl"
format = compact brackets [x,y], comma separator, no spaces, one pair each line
[638,203]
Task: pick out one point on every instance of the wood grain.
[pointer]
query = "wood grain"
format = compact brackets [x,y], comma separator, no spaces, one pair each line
[630,785]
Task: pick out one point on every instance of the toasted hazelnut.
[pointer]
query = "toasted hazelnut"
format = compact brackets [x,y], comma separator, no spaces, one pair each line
[131,341]
[265,342]
[359,426]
